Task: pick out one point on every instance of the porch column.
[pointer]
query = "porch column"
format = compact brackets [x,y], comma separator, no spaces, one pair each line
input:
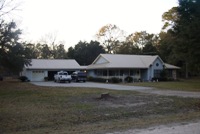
[119,74]
[107,74]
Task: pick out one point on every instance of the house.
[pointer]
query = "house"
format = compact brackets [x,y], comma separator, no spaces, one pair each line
[41,68]
[139,67]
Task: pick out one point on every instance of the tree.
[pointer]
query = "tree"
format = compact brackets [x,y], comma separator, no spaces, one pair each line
[50,40]
[94,49]
[128,48]
[46,52]
[12,53]
[85,53]
[169,18]
[140,43]
[187,32]
[150,49]
[110,36]
[166,47]
[8,6]
[31,51]
[71,52]
[184,35]
[60,52]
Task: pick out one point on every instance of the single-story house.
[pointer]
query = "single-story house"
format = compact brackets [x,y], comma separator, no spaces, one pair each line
[41,68]
[139,67]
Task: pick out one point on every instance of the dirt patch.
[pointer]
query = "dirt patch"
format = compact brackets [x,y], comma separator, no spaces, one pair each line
[129,101]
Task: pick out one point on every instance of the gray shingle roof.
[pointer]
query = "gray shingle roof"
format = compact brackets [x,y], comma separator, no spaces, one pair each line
[123,61]
[168,66]
[54,64]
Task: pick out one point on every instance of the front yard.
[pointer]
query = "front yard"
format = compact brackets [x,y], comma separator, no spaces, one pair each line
[26,108]
[181,85]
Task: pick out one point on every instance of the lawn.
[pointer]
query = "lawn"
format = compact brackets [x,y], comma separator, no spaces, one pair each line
[26,108]
[182,85]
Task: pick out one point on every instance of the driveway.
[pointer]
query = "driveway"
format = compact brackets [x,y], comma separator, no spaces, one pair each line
[121,87]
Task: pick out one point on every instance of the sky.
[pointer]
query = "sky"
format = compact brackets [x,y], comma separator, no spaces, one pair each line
[70,21]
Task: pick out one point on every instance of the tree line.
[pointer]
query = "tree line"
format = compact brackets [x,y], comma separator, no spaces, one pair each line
[178,43]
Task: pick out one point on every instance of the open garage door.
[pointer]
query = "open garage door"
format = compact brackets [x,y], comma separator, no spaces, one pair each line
[51,74]
[38,75]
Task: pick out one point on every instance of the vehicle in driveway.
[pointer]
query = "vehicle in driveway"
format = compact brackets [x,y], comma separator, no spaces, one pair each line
[79,76]
[62,76]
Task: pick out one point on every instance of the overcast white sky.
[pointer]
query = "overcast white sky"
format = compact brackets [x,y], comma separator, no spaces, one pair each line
[75,20]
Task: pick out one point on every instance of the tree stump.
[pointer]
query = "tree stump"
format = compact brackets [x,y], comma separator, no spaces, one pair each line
[105,96]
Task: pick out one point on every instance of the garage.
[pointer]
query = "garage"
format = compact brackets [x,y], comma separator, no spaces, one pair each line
[51,74]
[46,68]
[38,75]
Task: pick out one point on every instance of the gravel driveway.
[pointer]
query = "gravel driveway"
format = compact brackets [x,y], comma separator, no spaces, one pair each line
[121,87]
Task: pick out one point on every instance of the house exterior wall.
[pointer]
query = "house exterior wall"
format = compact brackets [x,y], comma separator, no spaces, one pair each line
[101,60]
[155,69]
[28,74]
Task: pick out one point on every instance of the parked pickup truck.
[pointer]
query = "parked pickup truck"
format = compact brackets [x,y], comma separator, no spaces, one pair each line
[62,76]
[79,76]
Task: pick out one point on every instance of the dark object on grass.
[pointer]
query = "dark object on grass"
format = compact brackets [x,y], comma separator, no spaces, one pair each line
[24,79]
[1,78]
[105,96]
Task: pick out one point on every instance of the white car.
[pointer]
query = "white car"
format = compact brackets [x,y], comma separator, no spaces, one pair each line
[62,76]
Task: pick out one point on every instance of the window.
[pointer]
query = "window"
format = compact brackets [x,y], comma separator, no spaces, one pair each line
[121,72]
[98,72]
[104,72]
[157,73]
[111,73]
[38,71]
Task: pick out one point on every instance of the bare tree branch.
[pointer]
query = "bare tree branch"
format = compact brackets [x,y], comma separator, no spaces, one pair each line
[110,36]
[8,6]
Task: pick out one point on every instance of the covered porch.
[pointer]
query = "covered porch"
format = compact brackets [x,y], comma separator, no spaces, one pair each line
[136,74]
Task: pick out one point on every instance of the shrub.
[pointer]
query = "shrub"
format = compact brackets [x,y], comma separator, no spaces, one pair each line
[158,79]
[115,80]
[46,78]
[102,80]
[96,79]
[23,78]
[128,79]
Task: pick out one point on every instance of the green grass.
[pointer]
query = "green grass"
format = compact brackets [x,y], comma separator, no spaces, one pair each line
[25,108]
[182,85]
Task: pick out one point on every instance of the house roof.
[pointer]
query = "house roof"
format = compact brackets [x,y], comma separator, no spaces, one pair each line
[169,66]
[54,64]
[123,61]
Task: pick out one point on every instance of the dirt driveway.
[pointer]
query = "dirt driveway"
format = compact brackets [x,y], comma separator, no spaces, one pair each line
[122,87]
